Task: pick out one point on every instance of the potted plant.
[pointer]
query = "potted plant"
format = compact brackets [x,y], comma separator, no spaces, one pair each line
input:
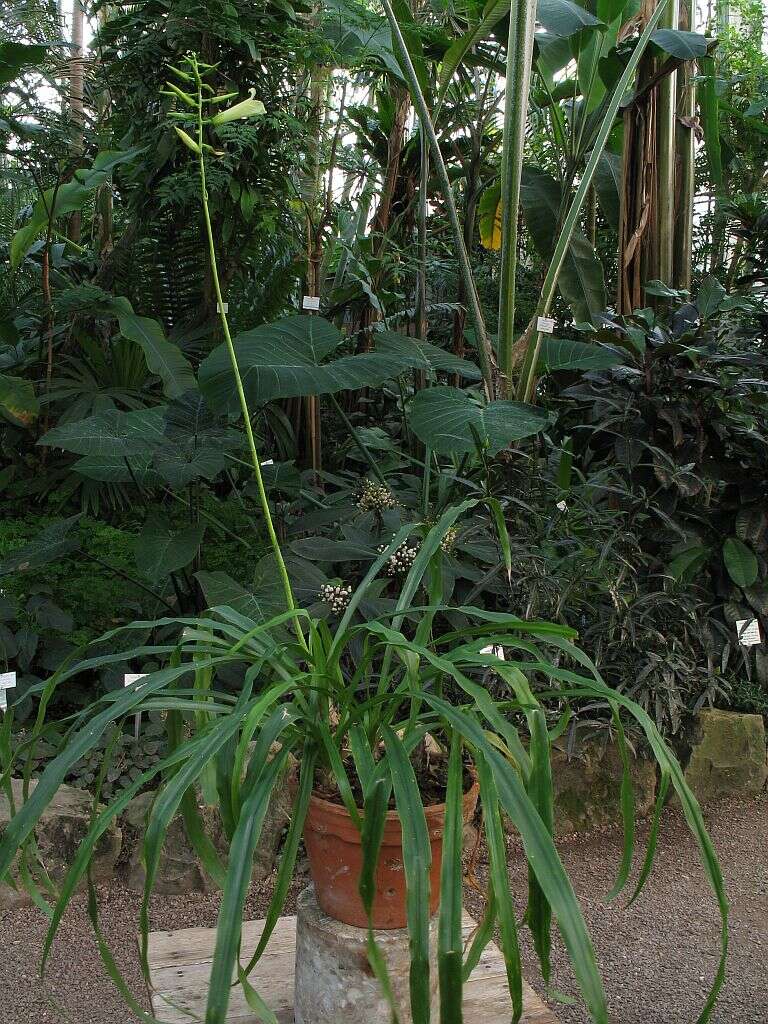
[354,704]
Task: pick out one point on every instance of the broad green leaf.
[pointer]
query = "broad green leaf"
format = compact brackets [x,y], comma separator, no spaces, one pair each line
[687,563]
[161,550]
[17,400]
[15,56]
[710,296]
[283,360]
[448,420]
[564,354]
[564,18]
[112,433]
[680,44]
[67,198]
[220,589]
[607,183]
[50,545]
[740,561]
[421,355]
[492,14]
[162,356]
[709,111]
[581,277]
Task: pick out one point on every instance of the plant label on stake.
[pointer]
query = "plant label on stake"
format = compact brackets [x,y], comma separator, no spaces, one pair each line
[7,682]
[128,680]
[545,324]
[562,506]
[222,306]
[748,632]
[311,302]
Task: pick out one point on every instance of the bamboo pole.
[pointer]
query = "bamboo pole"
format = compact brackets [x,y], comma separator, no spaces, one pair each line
[666,114]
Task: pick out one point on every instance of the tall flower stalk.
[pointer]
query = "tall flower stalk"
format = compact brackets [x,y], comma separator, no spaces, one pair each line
[245,108]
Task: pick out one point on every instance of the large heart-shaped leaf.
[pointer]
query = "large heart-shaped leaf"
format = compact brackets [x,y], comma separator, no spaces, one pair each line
[284,360]
[421,355]
[111,433]
[451,422]
[161,550]
[581,277]
[565,354]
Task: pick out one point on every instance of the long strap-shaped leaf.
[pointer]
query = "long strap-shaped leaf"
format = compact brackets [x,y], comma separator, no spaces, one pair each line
[230,922]
[449,936]
[541,854]
[417,856]
[503,902]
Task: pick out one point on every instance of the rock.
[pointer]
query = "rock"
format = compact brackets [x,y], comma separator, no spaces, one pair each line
[334,981]
[61,829]
[179,870]
[728,756]
[587,787]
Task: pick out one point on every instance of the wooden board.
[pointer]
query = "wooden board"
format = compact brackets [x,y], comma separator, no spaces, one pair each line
[180,966]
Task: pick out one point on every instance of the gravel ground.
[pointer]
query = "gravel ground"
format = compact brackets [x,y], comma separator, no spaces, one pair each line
[657,958]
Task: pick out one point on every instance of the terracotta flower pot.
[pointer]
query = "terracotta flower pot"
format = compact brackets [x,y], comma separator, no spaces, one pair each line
[336,859]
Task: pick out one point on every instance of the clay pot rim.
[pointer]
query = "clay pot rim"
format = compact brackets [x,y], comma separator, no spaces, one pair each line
[340,811]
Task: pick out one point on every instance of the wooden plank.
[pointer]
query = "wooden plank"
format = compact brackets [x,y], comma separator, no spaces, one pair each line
[180,966]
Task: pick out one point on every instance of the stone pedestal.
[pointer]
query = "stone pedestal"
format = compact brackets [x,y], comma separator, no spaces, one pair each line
[334,981]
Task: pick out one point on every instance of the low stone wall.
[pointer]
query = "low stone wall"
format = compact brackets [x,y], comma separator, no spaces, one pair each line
[65,822]
[728,756]
[587,787]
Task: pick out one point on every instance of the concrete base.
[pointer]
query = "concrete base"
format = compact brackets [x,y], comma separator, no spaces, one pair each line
[334,981]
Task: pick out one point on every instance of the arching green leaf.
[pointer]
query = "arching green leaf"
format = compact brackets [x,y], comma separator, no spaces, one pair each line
[449,421]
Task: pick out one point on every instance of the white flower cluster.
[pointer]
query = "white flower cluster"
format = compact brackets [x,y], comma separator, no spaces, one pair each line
[373,497]
[336,595]
[401,559]
[449,540]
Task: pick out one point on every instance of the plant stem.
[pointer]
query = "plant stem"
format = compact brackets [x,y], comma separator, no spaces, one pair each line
[263,500]
[522,22]
[482,341]
[526,384]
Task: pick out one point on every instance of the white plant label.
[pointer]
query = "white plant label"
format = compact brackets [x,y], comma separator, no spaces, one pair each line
[222,307]
[268,462]
[562,505]
[748,632]
[7,682]
[545,324]
[496,651]
[311,302]
[134,677]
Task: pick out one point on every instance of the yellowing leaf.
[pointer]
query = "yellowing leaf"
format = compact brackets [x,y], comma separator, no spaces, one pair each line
[489,216]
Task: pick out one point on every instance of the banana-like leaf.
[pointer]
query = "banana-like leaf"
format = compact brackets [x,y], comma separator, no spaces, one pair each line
[15,56]
[581,277]
[564,18]
[709,111]
[284,360]
[680,44]
[17,400]
[607,182]
[451,422]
